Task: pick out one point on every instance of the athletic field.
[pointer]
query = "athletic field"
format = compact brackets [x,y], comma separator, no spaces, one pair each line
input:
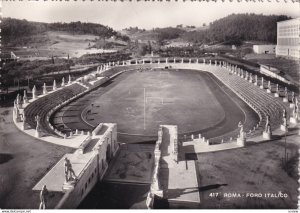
[139,101]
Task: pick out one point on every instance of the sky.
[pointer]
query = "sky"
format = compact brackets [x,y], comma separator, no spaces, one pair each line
[143,14]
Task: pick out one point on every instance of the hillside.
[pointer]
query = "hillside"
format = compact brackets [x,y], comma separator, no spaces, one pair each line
[232,29]
[36,40]
[15,30]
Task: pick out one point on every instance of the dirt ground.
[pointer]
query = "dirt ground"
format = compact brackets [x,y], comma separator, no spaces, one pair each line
[255,169]
[23,161]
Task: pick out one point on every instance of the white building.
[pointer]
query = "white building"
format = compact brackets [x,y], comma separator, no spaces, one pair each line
[264,49]
[288,38]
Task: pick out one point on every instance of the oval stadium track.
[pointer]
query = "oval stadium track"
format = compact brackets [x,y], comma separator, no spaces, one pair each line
[195,101]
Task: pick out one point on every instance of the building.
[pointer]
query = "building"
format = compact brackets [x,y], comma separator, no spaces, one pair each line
[288,38]
[264,49]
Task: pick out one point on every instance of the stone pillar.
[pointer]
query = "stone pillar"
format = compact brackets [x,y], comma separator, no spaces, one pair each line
[209,62]
[174,60]
[250,79]
[143,61]
[197,61]
[190,61]
[203,60]
[123,63]
[136,62]
[34,96]
[158,62]
[167,61]
[182,60]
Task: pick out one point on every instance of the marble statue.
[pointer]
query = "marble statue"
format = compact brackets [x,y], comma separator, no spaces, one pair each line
[43,195]
[69,172]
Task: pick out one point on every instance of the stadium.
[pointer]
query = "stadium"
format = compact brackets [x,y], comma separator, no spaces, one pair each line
[166,109]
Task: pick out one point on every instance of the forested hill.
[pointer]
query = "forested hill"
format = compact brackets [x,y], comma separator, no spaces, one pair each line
[245,27]
[15,28]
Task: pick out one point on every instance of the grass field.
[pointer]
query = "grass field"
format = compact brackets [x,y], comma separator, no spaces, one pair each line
[140,101]
[180,98]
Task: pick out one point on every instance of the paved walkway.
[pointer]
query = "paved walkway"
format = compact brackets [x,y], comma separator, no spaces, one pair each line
[178,180]
[55,178]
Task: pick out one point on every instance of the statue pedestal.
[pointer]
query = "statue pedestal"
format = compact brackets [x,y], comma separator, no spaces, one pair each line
[159,193]
[267,135]
[250,81]
[285,100]
[261,86]
[241,141]
[18,119]
[283,128]
[67,186]
[24,126]
[276,95]
[37,134]
[269,91]
[293,120]
[255,83]
[292,105]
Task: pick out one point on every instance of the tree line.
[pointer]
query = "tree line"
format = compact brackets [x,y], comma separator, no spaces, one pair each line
[16,28]
[236,28]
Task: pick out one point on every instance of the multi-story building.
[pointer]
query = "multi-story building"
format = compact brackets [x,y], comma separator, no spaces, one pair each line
[288,38]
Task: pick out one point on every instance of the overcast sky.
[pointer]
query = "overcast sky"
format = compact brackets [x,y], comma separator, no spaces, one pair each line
[120,15]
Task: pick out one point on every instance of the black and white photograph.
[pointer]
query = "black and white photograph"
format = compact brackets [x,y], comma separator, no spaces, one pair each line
[149,105]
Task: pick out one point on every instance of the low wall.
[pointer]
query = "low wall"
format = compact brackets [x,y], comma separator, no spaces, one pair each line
[87,179]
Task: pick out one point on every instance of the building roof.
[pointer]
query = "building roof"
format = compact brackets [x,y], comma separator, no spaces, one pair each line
[278,22]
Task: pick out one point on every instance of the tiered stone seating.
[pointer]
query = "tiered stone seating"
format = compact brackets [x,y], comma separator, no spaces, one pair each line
[44,104]
[263,103]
